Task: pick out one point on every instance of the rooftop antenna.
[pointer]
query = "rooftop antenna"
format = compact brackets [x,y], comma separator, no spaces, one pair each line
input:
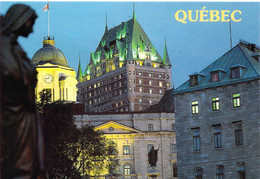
[106,21]
[230,33]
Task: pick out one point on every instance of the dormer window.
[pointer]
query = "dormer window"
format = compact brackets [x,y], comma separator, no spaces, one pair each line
[194,80]
[215,76]
[235,73]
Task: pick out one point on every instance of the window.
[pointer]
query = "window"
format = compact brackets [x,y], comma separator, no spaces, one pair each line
[238,133]
[168,77]
[168,85]
[140,100]
[160,83]
[127,169]
[150,74]
[236,100]
[174,148]
[217,136]
[150,101]
[215,104]
[140,73]
[241,171]
[126,150]
[235,73]
[130,88]
[194,80]
[198,172]
[140,90]
[151,90]
[150,82]
[150,127]
[149,147]
[130,80]
[174,170]
[215,76]
[160,75]
[196,139]
[140,81]
[194,107]
[219,172]
[160,91]
[173,127]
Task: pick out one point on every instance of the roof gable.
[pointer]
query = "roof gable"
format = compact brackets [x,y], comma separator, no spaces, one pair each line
[117,128]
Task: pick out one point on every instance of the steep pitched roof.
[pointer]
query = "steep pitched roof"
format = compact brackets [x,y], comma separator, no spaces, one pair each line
[166,59]
[128,37]
[79,73]
[240,55]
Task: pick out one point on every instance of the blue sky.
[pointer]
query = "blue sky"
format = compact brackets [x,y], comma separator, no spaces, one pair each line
[79,26]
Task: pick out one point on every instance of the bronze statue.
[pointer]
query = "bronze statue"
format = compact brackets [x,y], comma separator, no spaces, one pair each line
[153,157]
[21,142]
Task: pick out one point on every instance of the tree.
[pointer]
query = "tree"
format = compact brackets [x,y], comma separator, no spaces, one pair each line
[71,152]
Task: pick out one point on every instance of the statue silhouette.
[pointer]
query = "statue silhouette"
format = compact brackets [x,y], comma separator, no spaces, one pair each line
[153,157]
[21,141]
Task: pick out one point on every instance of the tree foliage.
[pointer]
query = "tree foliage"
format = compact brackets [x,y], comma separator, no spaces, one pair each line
[72,152]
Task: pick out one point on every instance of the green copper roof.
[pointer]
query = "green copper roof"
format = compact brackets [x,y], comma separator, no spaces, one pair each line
[79,73]
[166,59]
[129,39]
[239,56]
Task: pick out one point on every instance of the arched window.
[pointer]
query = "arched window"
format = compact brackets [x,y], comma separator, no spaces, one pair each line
[219,172]
[241,170]
[198,171]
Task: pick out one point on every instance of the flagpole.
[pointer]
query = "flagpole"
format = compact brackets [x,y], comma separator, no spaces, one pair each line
[48,20]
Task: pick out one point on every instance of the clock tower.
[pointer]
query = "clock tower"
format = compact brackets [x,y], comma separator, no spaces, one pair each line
[54,73]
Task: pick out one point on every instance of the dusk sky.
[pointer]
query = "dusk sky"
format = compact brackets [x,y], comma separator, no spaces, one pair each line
[79,26]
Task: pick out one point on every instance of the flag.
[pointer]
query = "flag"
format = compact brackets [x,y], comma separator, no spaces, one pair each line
[46,7]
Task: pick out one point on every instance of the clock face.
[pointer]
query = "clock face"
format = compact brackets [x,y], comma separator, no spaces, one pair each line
[48,78]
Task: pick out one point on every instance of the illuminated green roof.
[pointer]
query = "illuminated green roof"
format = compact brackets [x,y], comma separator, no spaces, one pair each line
[79,74]
[166,59]
[130,40]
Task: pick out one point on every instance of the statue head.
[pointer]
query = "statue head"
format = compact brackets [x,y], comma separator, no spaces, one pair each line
[152,148]
[18,20]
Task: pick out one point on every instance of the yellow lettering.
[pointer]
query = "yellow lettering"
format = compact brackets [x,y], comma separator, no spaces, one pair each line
[224,14]
[183,18]
[214,13]
[190,15]
[233,16]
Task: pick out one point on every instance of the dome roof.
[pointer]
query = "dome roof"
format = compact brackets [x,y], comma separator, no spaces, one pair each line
[49,53]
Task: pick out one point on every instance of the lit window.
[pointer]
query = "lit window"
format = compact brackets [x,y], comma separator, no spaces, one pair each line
[150,127]
[219,172]
[194,80]
[215,104]
[126,150]
[140,81]
[217,136]
[161,91]
[127,169]
[130,81]
[160,75]
[198,172]
[150,102]
[149,147]
[89,94]
[140,90]
[150,82]
[238,133]
[130,88]
[151,90]
[215,76]
[236,100]
[150,74]
[140,73]
[160,83]
[196,139]
[174,148]
[195,107]
[95,85]
[140,100]
[235,73]
[241,170]
[168,85]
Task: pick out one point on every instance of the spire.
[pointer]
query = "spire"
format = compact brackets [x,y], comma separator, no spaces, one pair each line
[79,74]
[106,23]
[166,59]
[133,10]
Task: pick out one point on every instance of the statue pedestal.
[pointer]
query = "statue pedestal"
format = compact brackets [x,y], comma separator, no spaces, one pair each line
[153,172]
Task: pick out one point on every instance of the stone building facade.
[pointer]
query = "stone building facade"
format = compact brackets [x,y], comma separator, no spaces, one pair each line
[125,73]
[217,118]
[134,134]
